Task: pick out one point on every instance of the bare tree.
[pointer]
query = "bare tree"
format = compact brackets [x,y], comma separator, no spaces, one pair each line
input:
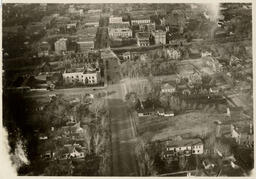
[98,105]
[146,164]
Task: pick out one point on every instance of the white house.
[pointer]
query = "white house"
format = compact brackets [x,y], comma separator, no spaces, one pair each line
[127,55]
[82,76]
[185,147]
[75,153]
[168,88]
[164,113]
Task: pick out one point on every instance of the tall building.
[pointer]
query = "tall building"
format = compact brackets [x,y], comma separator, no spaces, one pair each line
[159,36]
[60,45]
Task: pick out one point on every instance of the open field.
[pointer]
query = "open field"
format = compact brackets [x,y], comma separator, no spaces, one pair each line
[192,124]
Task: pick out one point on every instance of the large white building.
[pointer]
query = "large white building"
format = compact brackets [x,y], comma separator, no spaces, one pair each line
[120,32]
[113,20]
[160,36]
[82,76]
[140,21]
[60,45]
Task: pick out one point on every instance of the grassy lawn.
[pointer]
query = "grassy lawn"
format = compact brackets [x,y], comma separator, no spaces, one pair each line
[191,124]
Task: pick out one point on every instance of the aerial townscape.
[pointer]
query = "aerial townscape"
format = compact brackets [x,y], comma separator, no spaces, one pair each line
[128,89]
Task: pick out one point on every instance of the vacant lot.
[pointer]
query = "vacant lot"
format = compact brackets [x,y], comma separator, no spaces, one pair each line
[189,124]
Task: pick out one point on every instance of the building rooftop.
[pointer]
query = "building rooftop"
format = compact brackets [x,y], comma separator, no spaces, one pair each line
[167,86]
[143,35]
[182,142]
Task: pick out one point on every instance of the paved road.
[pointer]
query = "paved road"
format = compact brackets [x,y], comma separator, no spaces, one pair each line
[67,92]
[123,138]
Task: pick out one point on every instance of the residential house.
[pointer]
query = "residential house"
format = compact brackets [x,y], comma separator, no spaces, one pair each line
[168,88]
[146,112]
[127,55]
[142,39]
[164,113]
[72,130]
[75,152]
[206,53]
[214,90]
[184,147]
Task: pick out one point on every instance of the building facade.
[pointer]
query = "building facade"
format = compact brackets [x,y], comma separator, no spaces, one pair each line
[60,45]
[142,39]
[184,147]
[140,21]
[120,33]
[159,36]
[85,77]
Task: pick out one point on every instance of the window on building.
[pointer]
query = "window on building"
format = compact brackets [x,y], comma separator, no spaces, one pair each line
[193,151]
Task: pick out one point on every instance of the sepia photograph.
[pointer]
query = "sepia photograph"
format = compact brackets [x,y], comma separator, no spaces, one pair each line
[128,89]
